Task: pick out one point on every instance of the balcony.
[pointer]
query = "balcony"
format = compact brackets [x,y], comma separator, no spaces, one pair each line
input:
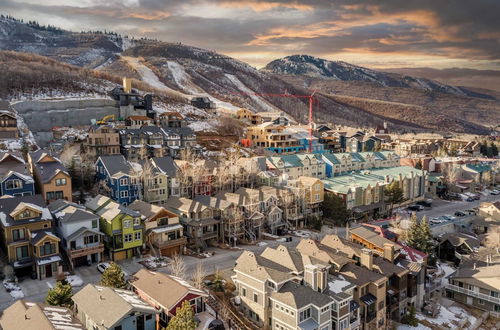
[85,251]
[209,235]
[495,300]
[166,244]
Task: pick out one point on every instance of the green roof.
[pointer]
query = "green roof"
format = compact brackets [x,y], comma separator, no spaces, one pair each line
[365,178]
[479,168]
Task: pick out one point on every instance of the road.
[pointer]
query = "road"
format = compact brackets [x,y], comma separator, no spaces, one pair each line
[441,207]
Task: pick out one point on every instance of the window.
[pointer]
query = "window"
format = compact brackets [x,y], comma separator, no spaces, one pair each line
[243,292]
[21,252]
[304,315]
[124,194]
[380,305]
[137,222]
[47,249]
[255,298]
[317,197]
[138,235]
[494,294]
[123,181]
[324,309]
[127,223]
[13,184]
[91,239]
[94,223]
[18,234]
[61,182]
[127,238]
[480,301]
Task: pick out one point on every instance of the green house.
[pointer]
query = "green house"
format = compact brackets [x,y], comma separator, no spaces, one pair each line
[122,226]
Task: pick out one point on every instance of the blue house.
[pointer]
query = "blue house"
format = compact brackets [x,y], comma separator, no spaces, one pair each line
[302,137]
[120,177]
[15,179]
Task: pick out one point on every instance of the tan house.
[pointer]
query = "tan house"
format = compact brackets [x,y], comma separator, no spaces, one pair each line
[27,237]
[314,195]
[163,231]
[31,315]
[275,138]
[490,210]
[8,125]
[136,122]
[51,177]
[249,117]
[102,140]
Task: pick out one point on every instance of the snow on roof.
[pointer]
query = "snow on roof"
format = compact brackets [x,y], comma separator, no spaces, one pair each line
[338,285]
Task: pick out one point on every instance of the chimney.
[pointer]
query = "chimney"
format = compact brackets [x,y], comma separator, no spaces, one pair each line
[311,276]
[389,251]
[367,258]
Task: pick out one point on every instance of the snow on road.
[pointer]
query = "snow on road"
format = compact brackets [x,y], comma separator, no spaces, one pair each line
[259,100]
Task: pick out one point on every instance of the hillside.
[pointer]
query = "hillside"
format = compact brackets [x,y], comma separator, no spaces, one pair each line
[305,65]
[177,72]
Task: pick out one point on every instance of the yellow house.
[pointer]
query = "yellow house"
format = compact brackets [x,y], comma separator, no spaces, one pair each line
[52,179]
[27,236]
[314,193]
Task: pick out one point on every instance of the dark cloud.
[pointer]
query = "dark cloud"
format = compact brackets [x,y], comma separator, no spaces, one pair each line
[455,30]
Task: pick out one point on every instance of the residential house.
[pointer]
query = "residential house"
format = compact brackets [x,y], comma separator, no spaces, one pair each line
[332,140]
[421,162]
[361,142]
[296,165]
[14,175]
[283,289]
[490,210]
[275,138]
[120,178]
[314,193]
[309,143]
[249,117]
[100,307]
[344,163]
[142,143]
[171,119]
[162,230]
[166,294]
[185,135]
[122,227]
[102,140]
[476,286]
[200,227]
[455,246]
[79,230]
[232,219]
[32,315]
[27,238]
[363,191]
[276,118]
[8,122]
[136,122]
[164,181]
[51,177]
[371,290]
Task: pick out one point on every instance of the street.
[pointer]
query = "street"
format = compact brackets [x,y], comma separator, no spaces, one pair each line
[442,207]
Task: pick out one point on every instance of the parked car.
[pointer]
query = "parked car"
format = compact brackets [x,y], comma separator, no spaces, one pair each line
[460,214]
[101,267]
[426,202]
[415,208]
[495,192]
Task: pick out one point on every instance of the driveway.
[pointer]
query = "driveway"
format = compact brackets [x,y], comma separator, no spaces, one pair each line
[442,207]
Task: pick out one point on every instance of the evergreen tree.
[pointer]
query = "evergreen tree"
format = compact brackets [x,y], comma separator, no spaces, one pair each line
[184,318]
[113,277]
[335,209]
[493,150]
[420,237]
[393,195]
[60,295]
[413,234]
[418,165]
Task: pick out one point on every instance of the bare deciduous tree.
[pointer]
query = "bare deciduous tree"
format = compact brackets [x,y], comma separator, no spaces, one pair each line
[177,266]
[199,275]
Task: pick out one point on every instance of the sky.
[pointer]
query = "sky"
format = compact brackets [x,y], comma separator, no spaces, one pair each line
[378,34]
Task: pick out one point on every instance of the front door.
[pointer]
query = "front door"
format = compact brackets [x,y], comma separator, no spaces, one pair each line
[48,270]
[140,322]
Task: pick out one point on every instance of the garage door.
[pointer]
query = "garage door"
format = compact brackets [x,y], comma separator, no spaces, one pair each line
[168,252]
[80,261]
[120,255]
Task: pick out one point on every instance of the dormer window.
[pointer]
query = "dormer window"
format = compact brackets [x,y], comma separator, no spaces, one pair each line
[272,285]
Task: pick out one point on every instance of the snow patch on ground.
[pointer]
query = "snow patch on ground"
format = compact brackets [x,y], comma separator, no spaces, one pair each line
[13,289]
[447,316]
[74,280]
[445,271]
[206,126]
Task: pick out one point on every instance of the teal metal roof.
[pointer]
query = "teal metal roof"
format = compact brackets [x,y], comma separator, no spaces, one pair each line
[479,168]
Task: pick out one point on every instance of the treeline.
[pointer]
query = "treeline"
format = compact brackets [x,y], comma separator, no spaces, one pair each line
[488,150]
[34,24]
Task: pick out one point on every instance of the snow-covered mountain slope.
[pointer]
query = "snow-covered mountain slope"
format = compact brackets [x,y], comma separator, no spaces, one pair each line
[338,70]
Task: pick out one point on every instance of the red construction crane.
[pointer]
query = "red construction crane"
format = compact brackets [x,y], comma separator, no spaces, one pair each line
[311,101]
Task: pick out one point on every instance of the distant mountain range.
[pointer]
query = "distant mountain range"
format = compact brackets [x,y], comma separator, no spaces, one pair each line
[307,65]
[346,94]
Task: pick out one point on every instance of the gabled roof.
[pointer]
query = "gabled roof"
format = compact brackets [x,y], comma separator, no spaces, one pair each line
[29,315]
[298,296]
[108,209]
[166,165]
[116,165]
[213,202]
[40,235]
[108,306]
[82,230]
[148,210]
[185,205]
[168,291]
[70,212]
[9,204]
[458,239]
[372,237]
[486,277]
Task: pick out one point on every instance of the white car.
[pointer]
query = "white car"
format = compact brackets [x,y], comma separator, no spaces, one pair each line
[101,267]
